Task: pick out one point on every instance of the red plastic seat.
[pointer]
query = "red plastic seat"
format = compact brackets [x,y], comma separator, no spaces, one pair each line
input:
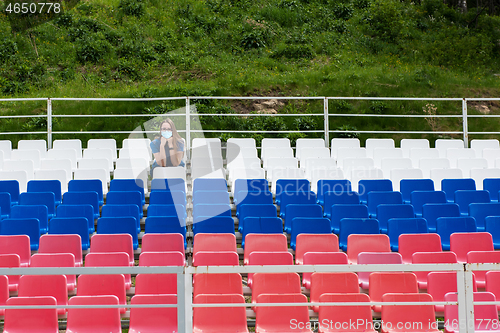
[415,318]
[45,285]
[152,320]
[379,258]
[216,258]
[485,316]
[214,242]
[18,244]
[357,243]
[88,320]
[391,282]
[109,284]
[321,258]
[462,243]
[482,257]
[219,320]
[56,260]
[4,292]
[264,242]
[361,315]
[31,320]
[268,258]
[158,283]
[441,283]
[114,259]
[153,242]
[8,261]
[113,243]
[332,283]
[275,283]
[314,243]
[493,284]
[411,243]
[431,258]
[282,318]
[217,284]
[62,244]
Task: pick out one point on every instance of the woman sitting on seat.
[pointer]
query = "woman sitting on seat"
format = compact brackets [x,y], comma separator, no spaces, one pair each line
[168,148]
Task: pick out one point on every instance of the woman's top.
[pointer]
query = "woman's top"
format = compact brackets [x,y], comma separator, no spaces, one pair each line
[155,148]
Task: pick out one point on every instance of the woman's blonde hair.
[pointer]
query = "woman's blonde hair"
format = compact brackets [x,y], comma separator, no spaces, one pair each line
[175,134]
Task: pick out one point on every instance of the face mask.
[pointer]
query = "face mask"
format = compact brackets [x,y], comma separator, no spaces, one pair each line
[166,134]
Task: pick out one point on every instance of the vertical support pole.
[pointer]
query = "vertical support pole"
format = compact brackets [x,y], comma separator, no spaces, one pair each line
[326,122]
[181,303]
[188,300]
[465,123]
[465,299]
[188,128]
[49,123]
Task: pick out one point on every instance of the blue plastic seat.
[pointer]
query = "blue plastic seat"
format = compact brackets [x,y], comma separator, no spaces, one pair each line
[302,197]
[39,198]
[334,198]
[166,225]
[86,211]
[350,226]
[32,211]
[252,197]
[399,226]
[167,210]
[390,211]
[126,198]
[331,185]
[111,210]
[119,225]
[255,210]
[480,210]
[420,198]
[376,198]
[308,225]
[5,204]
[71,225]
[430,212]
[128,185]
[341,211]
[492,185]
[301,210]
[171,184]
[409,185]
[465,197]
[12,187]
[211,210]
[261,225]
[22,226]
[445,226]
[83,198]
[211,197]
[250,185]
[54,186]
[217,224]
[167,198]
[366,186]
[291,185]
[209,184]
[492,225]
[87,185]
[449,186]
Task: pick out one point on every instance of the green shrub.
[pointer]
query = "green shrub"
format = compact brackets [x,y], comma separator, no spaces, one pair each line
[92,49]
[132,7]
[8,50]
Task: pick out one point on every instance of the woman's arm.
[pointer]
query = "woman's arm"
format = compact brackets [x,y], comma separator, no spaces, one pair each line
[175,155]
[160,156]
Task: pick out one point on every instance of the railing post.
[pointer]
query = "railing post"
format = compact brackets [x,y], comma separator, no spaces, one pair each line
[188,128]
[188,300]
[465,123]
[326,122]
[49,123]
[465,299]
[181,303]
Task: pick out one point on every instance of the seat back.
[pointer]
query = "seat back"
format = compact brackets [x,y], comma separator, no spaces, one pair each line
[462,243]
[357,243]
[399,226]
[45,285]
[70,243]
[346,313]
[281,319]
[113,243]
[274,283]
[71,225]
[16,244]
[379,258]
[162,243]
[109,284]
[431,258]
[421,317]
[321,258]
[483,314]
[338,283]
[56,260]
[224,319]
[214,242]
[153,319]
[446,226]
[264,242]
[431,211]
[409,185]
[106,319]
[315,243]
[391,282]
[31,320]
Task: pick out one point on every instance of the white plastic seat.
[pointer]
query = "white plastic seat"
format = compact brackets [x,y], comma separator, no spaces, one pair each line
[343,143]
[63,154]
[319,174]
[490,155]
[40,145]
[1,159]
[136,153]
[275,163]
[75,144]
[95,163]
[467,164]
[285,152]
[389,164]
[169,172]
[132,173]
[105,153]
[307,143]
[398,174]
[286,174]
[103,144]
[273,143]
[205,162]
[359,174]
[207,173]
[20,165]
[54,174]
[27,154]
[426,164]
[20,175]
[212,149]
[243,173]
[236,146]
[453,154]
[479,145]
[137,143]
[407,144]
[357,163]
[131,163]
[344,152]
[243,163]
[437,175]
[313,164]
[381,153]
[443,144]
[480,174]
[6,147]
[373,143]
[100,174]
[416,154]
[313,153]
